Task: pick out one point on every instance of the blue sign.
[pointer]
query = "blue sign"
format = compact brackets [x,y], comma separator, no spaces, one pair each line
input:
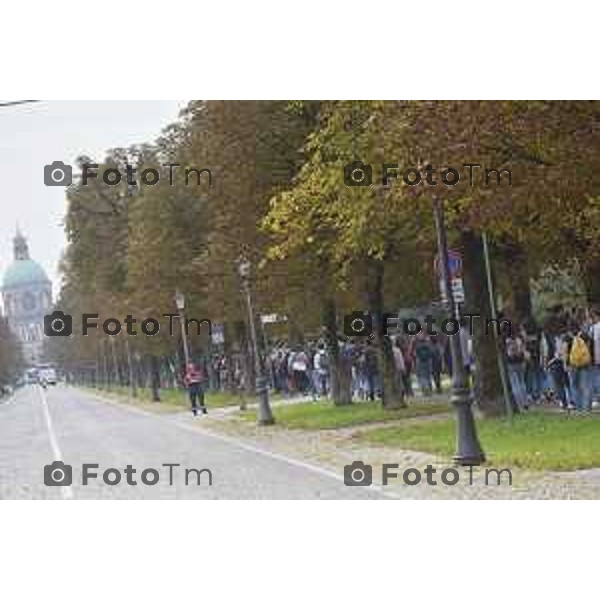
[454,265]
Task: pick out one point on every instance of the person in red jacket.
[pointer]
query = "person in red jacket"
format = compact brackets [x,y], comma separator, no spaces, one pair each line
[193,380]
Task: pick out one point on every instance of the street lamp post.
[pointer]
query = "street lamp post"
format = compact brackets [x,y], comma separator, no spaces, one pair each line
[468,449]
[180,304]
[265,416]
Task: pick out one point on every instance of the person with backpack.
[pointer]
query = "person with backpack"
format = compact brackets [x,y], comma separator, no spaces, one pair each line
[298,363]
[193,380]
[553,363]
[516,356]
[534,375]
[371,369]
[579,361]
[321,370]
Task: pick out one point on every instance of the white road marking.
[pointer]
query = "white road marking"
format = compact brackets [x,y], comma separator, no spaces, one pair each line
[66,491]
[245,446]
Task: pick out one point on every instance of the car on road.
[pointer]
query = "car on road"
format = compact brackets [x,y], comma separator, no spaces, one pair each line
[47,376]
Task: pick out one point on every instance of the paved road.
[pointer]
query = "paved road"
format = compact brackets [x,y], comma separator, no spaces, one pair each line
[38,427]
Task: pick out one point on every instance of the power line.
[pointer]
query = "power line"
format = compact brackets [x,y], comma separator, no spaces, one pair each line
[16,102]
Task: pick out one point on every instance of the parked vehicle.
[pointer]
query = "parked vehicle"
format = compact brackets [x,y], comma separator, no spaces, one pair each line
[47,376]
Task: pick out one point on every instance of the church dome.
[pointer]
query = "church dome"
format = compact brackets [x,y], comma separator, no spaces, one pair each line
[23,271]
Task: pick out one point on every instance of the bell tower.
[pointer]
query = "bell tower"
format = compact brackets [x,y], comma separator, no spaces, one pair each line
[20,247]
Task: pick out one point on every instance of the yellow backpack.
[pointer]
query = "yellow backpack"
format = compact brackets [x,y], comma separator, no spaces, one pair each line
[580,354]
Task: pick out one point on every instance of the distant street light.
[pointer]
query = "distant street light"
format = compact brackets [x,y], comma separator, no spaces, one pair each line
[265,416]
[468,449]
[180,304]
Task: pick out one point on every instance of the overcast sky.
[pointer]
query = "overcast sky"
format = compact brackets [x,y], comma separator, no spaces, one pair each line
[34,135]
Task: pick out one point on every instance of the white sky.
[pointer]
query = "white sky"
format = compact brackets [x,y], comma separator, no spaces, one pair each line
[34,135]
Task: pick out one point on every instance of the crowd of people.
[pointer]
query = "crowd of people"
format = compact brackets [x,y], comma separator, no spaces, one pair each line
[305,369]
[557,362]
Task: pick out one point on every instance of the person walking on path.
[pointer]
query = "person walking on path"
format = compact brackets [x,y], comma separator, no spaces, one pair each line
[193,380]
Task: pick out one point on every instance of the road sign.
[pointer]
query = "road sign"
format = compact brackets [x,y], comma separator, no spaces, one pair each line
[454,264]
[458,291]
[218,333]
[455,272]
[272,318]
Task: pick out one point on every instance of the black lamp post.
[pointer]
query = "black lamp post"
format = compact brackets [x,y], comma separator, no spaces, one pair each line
[265,416]
[468,449]
[180,304]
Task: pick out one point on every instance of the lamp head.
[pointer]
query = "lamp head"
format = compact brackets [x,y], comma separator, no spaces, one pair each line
[179,300]
[244,268]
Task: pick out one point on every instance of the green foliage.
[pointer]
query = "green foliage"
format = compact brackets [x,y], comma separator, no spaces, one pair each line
[11,360]
[556,286]
[278,198]
[325,415]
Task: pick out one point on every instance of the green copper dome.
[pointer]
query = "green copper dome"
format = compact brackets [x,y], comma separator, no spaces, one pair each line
[24,272]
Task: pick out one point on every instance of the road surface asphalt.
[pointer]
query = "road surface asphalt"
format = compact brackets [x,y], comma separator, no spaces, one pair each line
[38,427]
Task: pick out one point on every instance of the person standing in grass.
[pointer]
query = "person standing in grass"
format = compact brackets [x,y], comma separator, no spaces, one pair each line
[515,363]
[595,368]
[407,347]
[371,369]
[321,370]
[399,362]
[552,361]
[424,363]
[299,364]
[579,361]
[193,380]
[437,361]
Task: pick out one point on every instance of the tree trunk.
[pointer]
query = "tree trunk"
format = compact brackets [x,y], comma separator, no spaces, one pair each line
[392,396]
[295,333]
[340,384]
[488,383]
[591,280]
[517,268]
[155,378]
